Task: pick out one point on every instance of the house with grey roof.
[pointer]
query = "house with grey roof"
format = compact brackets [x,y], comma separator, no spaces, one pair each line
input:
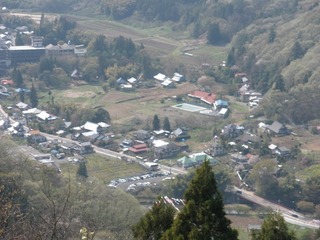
[179,135]
[278,129]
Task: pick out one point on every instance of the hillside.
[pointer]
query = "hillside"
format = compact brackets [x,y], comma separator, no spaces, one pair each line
[273,41]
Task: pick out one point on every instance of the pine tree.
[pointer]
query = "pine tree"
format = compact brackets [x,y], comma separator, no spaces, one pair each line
[82,170]
[273,227]
[296,51]
[231,57]
[21,96]
[156,122]
[279,83]
[155,222]
[214,35]
[33,97]
[17,78]
[203,216]
[272,35]
[166,124]
[18,40]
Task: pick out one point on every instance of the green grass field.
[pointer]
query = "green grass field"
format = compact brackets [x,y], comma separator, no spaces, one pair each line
[104,169]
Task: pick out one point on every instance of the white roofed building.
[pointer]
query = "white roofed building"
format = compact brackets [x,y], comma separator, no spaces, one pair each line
[43,116]
[160,77]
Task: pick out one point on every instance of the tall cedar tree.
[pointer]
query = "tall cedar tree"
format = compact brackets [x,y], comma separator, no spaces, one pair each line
[33,97]
[82,170]
[273,227]
[166,124]
[17,78]
[155,222]
[156,122]
[18,40]
[203,216]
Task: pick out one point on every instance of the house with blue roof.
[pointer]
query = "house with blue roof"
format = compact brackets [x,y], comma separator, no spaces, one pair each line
[218,104]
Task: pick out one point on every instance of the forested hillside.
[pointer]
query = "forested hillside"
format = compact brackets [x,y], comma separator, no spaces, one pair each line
[273,41]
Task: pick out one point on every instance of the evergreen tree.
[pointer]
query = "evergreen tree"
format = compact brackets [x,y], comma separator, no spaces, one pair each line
[279,83]
[17,78]
[203,216]
[101,115]
[214,35]
[296,51]
[155,222]
[18,40]
[272,35]
[166,124]
[231,57]
[21,96]
[82,170]
[33,97]
[156,122]
[273,228]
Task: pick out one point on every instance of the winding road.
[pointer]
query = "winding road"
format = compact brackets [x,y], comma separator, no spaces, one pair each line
[289,215]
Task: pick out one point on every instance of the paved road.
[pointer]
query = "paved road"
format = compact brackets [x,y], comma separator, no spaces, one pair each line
[288,214]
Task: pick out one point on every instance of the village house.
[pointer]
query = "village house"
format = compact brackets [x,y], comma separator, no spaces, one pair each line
[83,148]
[22,105]
[216,149]
[138,148]
[44,116]
[277,129]
[31,113]
[218,104]
[232,131]
[283,152]
[141,135]
[177,77]
[239,158]
[59,50]
[250,139]
[76,75]
[166,151]
[205,97]
[195,160]
[35,136]
[179,135]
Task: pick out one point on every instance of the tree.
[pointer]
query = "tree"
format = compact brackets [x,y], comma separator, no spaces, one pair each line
[82,170]
[231,57]
[101,115]
[214,35]
[272,35]
[273,228]
[311,189]
[296,51]
[17,78]
[203,216]
[166,124]
[33,97]
[18,40]
[21,96]
[156,122]
[155,222]
[262,176]
[279,83]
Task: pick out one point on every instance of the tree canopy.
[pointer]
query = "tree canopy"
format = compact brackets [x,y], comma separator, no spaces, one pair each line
[203,216]
[155,222]
[156,122]
[273,228]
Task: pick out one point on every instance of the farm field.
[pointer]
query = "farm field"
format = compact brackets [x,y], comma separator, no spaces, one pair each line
[104,169]
[160,41]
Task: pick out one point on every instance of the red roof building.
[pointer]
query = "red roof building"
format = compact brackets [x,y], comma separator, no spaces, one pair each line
[208,98]
[138,148]
[7,82]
